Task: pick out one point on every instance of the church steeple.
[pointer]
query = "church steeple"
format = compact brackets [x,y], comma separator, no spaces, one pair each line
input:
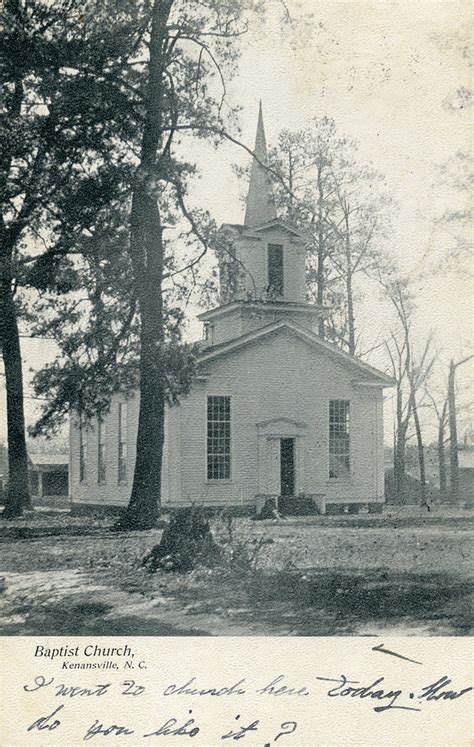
[263,267]
[260,207]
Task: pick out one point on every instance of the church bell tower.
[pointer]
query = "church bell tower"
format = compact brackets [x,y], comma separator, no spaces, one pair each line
[262,263]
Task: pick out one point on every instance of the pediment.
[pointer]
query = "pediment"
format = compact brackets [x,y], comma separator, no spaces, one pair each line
[238,229]
[370,374]
[280,225]
[281,428]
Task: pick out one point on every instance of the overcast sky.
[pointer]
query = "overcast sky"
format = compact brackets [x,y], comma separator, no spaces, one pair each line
[394,76]
[388,73]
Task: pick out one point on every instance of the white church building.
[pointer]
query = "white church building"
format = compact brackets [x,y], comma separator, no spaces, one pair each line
[274,411]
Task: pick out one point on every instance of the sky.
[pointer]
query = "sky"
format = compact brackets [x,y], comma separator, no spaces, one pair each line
[394,76]
[387,73]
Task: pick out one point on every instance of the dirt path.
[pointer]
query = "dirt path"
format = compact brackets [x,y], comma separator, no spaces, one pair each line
[73,603]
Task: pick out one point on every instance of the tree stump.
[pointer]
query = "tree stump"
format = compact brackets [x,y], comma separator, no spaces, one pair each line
[187,541]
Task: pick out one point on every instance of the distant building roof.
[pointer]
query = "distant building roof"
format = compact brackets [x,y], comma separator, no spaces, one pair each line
[38,460]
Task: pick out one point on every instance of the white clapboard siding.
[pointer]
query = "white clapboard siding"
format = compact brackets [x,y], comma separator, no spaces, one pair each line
[277,377]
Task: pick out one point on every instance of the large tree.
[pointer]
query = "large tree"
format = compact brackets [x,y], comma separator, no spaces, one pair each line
[411,371]
[451,245]
[191,51]
[453,429]
[59,167]
[175,84]
[398,347]
[308,162]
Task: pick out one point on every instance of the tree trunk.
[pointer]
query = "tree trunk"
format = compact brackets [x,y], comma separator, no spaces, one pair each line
[18,496]
[443,484]
[453,436]
[350,314]
[399,455]
[349,289]
[421,451]
[399,468]
[291,215]
[321,254]
[144,506]
[146,252]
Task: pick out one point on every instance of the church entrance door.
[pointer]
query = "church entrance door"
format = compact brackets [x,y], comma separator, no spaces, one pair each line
[287,466]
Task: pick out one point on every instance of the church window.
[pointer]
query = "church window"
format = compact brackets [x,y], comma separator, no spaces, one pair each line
[218,438]
[275,269]
[101,451]
[82,452]
[339,438]
[122,442]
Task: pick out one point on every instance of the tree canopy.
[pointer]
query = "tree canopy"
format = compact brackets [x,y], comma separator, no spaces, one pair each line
[97,193]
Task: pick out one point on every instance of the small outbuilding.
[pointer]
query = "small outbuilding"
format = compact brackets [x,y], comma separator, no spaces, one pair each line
[466,465]
[49,476]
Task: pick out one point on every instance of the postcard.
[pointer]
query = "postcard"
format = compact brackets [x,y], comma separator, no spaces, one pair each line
[236,433]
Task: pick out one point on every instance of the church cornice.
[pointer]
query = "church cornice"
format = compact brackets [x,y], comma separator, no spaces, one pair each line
[270,306]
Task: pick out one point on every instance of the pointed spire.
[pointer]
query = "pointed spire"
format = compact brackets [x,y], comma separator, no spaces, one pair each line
[260,207]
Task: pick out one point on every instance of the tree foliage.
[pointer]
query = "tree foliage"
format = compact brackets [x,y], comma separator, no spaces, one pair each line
[123,241]
[190,50]
[343,207]
[59,164]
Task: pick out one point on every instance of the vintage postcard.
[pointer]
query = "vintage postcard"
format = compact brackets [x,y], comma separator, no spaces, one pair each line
[236,433]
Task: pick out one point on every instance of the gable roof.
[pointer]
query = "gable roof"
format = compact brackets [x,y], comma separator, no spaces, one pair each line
[369,372]
[280,223]
[268,225]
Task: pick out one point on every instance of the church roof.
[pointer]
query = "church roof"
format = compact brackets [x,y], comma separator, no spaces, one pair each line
[260,207]
[281,223]
[370,374]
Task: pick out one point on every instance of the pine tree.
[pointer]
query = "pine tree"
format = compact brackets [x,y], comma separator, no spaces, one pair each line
[174,84]
[190,51]
[62,83]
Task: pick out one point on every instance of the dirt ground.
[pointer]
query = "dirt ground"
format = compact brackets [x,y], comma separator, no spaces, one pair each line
[405,572]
